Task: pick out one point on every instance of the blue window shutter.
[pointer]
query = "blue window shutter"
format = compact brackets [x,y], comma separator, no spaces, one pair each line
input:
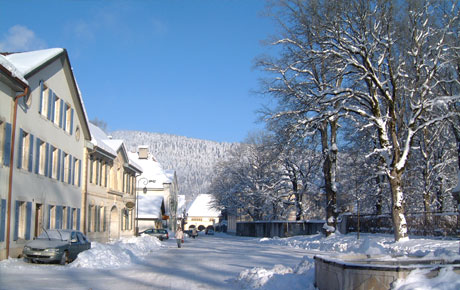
[69,217]
[73,171]
[58,165]
[58,217]
[37,155]
[20,148]
[28,219]
[69,181]
[53,107]
[50,164]
[47,158]
[2,219]
[31,152]
[48,221]
[61,116]
[63,166]
[7,146]
[79,173]
[50,101]
[71,121]
[41,97]
[16,220]
[78,219]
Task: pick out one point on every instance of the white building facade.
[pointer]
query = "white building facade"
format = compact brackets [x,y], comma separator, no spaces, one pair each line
[153,182]
[42,147]
[111,189]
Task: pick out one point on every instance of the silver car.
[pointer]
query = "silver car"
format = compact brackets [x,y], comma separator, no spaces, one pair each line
[62,246]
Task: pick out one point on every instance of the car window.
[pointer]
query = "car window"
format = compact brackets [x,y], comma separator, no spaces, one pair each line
[74,236]
[81,238]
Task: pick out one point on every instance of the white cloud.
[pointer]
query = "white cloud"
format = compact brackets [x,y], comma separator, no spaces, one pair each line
[21,38]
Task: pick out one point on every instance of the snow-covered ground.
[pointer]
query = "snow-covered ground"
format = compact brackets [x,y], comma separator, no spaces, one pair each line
[221,262]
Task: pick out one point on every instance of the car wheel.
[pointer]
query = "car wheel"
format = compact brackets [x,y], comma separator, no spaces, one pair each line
[64,258]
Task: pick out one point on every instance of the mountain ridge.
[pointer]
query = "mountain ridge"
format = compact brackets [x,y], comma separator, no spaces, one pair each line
[193,159]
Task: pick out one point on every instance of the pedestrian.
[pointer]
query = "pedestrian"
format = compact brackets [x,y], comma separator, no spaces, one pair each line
[179,237]
[194,233]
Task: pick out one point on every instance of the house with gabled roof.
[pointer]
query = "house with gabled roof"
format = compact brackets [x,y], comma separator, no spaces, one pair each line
[153,182]
[201,213]
[110,196]
[43,133]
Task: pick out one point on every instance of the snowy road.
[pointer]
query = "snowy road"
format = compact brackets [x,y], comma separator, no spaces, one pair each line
[208,262]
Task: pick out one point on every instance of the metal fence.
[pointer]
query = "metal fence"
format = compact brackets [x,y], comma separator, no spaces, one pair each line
[422,224]
[280,229]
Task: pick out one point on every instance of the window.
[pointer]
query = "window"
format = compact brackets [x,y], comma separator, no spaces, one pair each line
[52,217]
[74,218]
[20,223]
[40,157]
[57,110]
[68,119]
[66,167]
[65,221]
[55,164]
[44,100]
[102,219]
[24,150]
[77,172]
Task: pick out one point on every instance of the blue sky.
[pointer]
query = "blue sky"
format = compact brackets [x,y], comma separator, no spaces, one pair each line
[177,67]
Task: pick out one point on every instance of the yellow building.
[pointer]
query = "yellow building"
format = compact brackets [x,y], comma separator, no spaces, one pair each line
[201,214]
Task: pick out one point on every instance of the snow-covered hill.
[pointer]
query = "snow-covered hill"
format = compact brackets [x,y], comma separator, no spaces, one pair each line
[193,159]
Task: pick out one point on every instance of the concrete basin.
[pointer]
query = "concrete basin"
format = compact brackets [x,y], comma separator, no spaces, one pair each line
[371,272]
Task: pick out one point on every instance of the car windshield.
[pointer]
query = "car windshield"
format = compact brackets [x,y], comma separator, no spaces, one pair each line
[55,235]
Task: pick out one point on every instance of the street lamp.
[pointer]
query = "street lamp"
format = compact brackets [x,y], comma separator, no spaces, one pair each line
[145,181]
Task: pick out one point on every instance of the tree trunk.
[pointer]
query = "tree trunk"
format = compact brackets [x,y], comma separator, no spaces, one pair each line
[329,170]
[398,214]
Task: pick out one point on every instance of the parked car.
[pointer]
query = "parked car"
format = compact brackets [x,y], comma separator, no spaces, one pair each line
[209,230]
[62,246]
[161,234]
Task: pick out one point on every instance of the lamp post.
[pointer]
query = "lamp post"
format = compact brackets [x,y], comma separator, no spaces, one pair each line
[145,181]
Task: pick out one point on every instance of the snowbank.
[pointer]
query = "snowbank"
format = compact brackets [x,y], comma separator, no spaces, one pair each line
[120,253]
[370,244]
[279,277]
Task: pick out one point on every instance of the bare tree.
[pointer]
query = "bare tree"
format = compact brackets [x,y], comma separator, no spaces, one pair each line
[382,60]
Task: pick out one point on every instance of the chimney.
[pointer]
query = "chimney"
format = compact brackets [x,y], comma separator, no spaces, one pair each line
[143,152]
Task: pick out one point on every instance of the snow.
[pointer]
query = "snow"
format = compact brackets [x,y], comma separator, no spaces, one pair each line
[26,62]
[150,205]
[151,170]
[254,263]
[121,253]
[12,69]
[202,207]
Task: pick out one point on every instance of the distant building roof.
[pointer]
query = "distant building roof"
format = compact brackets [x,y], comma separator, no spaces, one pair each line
[152,170]
[150,206]
[100,139]
[202,206]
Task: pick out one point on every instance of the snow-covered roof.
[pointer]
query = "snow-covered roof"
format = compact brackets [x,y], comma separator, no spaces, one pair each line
[12,69]
[201,207]
[26,62]
[98,138]
[150,206]
[152,170]
[180,204]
